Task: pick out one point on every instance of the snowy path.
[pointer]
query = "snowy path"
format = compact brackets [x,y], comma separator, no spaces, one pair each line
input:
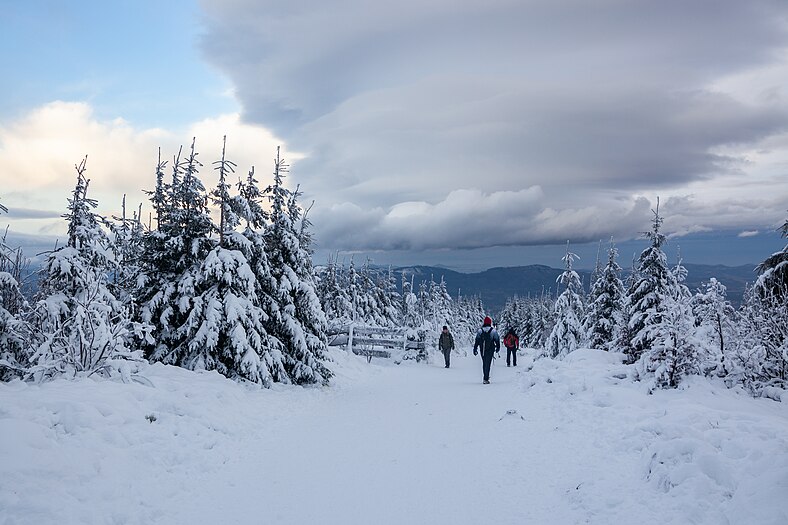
[392,444]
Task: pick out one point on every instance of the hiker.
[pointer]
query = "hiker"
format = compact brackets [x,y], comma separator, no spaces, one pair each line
[511,342]
[446,344]
[487,341]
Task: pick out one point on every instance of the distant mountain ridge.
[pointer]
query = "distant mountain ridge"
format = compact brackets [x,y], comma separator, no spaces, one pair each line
[496,285]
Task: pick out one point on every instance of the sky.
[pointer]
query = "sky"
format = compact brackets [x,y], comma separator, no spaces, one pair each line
[468,134]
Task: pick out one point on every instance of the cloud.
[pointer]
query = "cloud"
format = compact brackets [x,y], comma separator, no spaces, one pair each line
[752,233]
[406,111]
[26,213]
[39,150]
[273,51]
[471,218]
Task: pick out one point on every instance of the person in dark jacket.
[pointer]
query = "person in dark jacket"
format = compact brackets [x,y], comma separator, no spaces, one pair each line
[487,341]
[511,342]
[446,344]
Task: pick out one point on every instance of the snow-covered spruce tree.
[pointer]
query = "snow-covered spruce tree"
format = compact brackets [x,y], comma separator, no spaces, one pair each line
[81,327]
[299,322]
[588,299]
[14,330]
[606,304]
[368,309]
[654,284]
[388,299]
[334,299]
[773,279]
[508,315]
[376,304]
[674,351]
[308,310]
[516,315]
[172,258]
[410,315]
[248,204]
[467,321]
[761,353]
[436,308]
[374,307]
[545,319]
[523,318]
[224,329]
[541,312]
[567,333]
[443,306]
[159,195]
[624,335]
[160,263]
[128,236]
[352,286]
[715,319]
[681,291]
[425,303]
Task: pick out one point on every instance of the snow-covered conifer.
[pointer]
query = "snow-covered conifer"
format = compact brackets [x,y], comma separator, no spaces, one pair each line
[651,287]
[468,318]
[762,349]
[567,333]
[410,315]
[337,305]
[674,351]
[172,258]
[248,206]
[81,327]
[388,298]
[606,304]
[425,303]
[681,291]
[444,304]
[14,330]
[224,329]
[715,318]
[299,322]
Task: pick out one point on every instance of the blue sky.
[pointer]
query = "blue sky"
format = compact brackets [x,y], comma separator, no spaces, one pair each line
[136,60]
[470,134]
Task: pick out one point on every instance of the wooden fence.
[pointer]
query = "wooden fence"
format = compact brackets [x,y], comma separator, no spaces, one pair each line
[371,341]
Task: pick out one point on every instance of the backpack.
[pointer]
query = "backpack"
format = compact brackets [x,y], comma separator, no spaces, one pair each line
[509,341]
[487,341]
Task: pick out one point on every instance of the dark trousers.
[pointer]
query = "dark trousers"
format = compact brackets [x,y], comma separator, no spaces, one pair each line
[486,362]
[446,356]
[513,353]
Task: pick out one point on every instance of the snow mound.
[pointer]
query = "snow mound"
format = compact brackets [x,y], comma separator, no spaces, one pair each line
[715,455]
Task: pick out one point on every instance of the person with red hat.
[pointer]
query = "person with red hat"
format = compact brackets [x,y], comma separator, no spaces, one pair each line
[488,341]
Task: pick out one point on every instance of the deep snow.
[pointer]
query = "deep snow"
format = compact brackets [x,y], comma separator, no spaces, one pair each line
[571,441]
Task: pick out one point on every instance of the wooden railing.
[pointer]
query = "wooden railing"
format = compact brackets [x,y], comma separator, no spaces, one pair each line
[371,341]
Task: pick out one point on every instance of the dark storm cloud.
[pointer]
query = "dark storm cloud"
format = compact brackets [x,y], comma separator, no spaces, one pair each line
[27,213]
[416,102]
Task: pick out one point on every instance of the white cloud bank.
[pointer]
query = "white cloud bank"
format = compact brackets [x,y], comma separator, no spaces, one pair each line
[39,150]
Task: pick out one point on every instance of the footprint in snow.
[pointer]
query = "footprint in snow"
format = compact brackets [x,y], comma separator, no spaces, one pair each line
[511,413]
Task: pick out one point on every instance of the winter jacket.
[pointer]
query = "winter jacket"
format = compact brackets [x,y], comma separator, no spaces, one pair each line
[446,341]
[515,340]
[487,340]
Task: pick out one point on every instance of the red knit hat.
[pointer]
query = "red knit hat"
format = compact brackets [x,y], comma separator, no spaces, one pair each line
[487,321]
